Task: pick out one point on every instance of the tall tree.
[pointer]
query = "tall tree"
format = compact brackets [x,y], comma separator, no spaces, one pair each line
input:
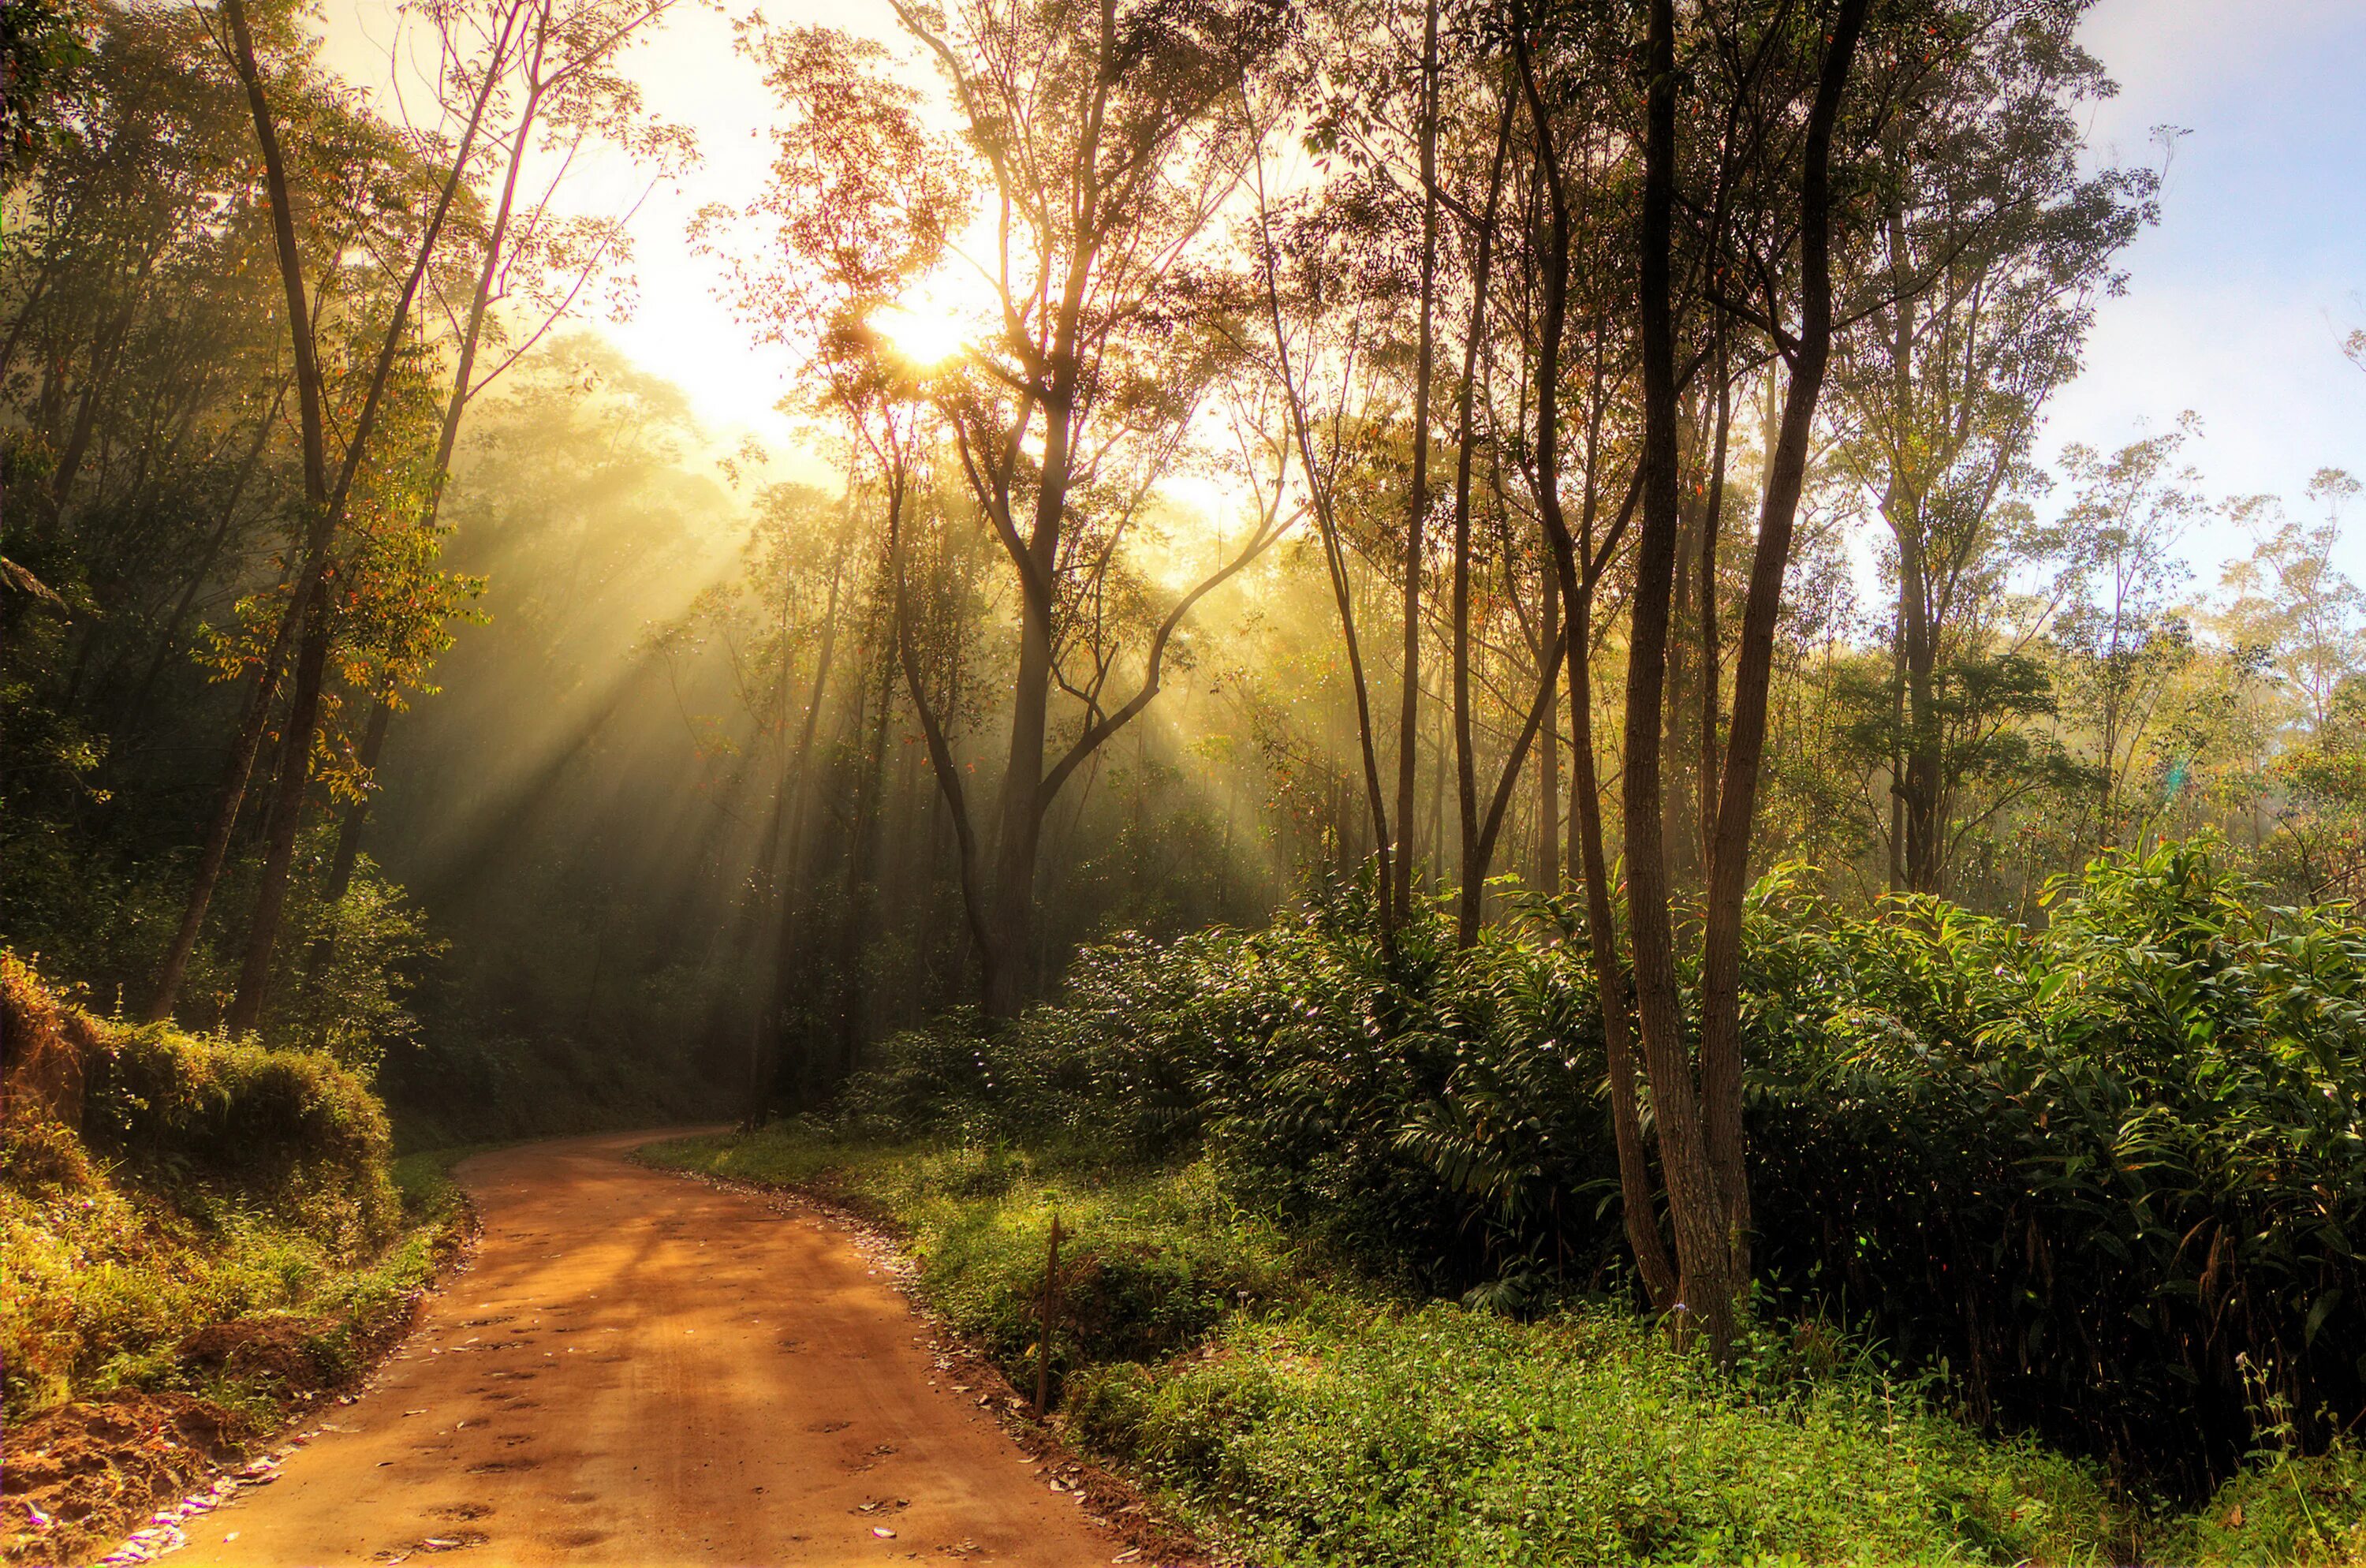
[1107,139]
[561,89]
[1992,247]
[308,624]
[1699,1110]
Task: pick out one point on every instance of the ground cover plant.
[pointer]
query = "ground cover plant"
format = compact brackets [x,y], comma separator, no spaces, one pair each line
[1296,1409]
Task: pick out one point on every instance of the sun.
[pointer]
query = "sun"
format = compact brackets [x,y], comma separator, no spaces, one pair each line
[923,335]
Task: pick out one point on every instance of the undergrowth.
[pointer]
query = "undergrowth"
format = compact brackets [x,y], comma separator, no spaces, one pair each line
[1299,1411]
[155,1184]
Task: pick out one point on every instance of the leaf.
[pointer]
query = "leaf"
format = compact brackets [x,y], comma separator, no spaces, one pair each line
[2321,1309]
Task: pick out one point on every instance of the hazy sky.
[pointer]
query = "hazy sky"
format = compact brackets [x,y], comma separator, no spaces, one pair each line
[2238,303]
[2236,306]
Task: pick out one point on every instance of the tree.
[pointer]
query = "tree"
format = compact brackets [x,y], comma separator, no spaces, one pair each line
[2123,638]
[2291,600]
[1701,1113]
[1106,141]
[560,88]
[1992,248]
[308,624]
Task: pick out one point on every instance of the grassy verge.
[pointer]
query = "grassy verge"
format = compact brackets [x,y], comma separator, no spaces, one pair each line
[154,1334]
[202,1240]
[424,1180]
[111,1279]
[1297,1413]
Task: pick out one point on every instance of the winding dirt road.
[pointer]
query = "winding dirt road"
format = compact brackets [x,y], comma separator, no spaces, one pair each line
[640,1369]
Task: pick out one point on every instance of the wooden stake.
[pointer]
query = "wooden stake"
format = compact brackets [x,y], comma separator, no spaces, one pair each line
[1051,1309]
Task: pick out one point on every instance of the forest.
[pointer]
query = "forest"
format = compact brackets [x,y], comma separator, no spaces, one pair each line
[1410,751]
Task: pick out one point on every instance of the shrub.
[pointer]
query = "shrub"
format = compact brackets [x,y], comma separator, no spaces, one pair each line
[2096,1170]
[2087,1171]
[2287,1509]
[208,1180]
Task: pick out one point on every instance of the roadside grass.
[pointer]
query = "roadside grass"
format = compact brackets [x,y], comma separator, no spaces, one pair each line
[109,1279]
[1437,1434]
[424,1178]
[1297,1413]
[1151,1262]
[2284,1508]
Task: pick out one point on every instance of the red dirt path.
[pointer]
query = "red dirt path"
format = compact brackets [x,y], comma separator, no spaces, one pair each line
[640,1369]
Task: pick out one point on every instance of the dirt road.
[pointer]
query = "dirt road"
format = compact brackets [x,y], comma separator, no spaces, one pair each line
[641,1368]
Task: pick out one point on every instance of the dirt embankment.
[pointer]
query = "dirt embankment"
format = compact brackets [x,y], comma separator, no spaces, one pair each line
[81,1477]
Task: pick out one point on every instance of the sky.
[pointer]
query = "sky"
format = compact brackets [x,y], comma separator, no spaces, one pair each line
[2235,305]
[2238,302]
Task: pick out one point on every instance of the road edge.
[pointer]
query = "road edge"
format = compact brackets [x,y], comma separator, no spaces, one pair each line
[1112,1499]
[257,1459]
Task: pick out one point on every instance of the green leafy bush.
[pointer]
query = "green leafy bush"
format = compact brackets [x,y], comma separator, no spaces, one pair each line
[2098,1170]
[1302,1415]
[2286,1509]
[289,1134]
[2087,1171]
[200,1182]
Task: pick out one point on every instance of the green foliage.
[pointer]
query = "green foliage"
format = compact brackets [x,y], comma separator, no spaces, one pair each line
[2081,1171]
[423,1179]
[1439,1435]
[347,966]
[2287,1509]
[209,1182]
[1302,1415]
[2090,1168]
[1435,1118]
[283,1133]
[42,44]
[1152,1260]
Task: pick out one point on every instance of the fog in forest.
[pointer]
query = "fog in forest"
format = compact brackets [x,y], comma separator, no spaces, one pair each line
[1627,657]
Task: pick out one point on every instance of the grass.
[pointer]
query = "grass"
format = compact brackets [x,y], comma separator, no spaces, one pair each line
[2285,1509]
[1296,1413]
[424,1178]
[1436,1434]
[1153,1259]
[108,1277]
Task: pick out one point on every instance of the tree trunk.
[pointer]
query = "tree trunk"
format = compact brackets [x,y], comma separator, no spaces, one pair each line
[326,504]
[1417,503]
[448,436]
[1008,940]
[286,814]
[102,370]
[1635,1183]
[1921,851]
[1754,657]
[1707,1288]
[1473,881]
[349,831]
[862,882]
[1549,768]
[1342,598]
[1712,523]
[215,852]
[786,858]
